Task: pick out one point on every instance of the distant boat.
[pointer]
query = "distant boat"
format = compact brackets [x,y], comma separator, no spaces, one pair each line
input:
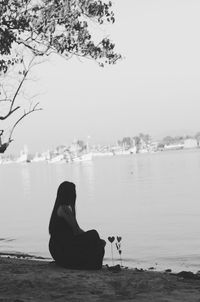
[122,152]
[174,147]
[133,150]
[23,158]
[37,158]
[142,151]
[102,153]
[6,161]
[57,159]
[82,157]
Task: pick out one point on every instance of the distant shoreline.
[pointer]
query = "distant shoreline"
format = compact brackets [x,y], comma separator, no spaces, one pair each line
[88,157]
[139,264]
[17,255]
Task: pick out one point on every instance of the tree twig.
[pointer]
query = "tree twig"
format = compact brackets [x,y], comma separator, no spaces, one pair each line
[34,109]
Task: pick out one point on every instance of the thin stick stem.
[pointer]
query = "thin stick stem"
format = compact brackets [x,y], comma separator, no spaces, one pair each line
[121,259]
[112,254]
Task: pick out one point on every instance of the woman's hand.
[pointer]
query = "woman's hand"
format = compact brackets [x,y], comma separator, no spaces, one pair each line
[64,211]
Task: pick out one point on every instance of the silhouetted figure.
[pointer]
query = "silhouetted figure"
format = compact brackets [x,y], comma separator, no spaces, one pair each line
[69,245]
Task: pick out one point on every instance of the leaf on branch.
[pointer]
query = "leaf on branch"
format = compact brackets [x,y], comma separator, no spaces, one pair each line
[61,27]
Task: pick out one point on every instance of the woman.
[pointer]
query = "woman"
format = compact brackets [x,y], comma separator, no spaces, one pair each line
[69,245]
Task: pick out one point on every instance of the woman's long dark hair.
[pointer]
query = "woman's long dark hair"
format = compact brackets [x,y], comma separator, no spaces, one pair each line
[66,194]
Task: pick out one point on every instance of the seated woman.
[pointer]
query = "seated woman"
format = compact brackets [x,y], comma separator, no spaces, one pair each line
[69,245]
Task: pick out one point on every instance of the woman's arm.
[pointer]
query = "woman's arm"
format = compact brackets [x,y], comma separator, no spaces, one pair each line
[66,212]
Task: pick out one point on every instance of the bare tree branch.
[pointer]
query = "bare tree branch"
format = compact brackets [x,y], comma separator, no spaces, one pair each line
[12,101]
[34,109]
[6,100]
[41,28]
[9,113]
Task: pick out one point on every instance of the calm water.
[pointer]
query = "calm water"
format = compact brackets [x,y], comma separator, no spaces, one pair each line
[151,200]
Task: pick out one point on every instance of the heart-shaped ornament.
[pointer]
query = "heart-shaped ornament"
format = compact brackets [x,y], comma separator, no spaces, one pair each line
[111,239]
[119,238]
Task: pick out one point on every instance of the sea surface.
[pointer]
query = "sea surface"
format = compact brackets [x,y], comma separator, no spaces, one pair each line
[151,200]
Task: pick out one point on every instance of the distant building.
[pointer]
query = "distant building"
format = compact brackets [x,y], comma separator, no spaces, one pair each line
[190,143]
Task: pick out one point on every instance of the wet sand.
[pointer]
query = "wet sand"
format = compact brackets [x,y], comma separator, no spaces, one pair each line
[34,280]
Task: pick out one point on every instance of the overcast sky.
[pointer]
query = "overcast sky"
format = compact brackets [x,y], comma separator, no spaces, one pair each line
[155,89]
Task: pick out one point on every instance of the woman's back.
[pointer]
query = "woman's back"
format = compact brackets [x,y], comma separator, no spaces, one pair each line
[61,229]
[69,245]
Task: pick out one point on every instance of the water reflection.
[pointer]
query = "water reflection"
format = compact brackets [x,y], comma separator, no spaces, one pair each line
[60,171]
[26,183]
[87,176]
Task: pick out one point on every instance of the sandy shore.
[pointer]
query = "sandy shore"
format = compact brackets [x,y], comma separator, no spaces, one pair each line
[33,280]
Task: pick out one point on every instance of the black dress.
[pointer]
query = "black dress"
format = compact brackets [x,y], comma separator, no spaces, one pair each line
[84,251]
